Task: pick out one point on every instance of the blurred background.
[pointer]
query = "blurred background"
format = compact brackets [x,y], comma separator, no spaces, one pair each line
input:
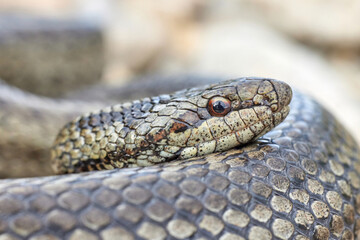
[314,45]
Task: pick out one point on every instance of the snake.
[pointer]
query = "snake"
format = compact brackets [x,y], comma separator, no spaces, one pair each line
[233,160]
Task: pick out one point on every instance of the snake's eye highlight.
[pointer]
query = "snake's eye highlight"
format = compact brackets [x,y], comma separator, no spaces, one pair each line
[219,106]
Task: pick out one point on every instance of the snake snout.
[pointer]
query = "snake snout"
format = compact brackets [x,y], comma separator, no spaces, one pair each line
[284,94]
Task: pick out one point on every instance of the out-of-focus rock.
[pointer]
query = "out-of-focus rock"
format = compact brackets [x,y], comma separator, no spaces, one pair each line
[320,22]
[143,37]
[50,56]
[50,8]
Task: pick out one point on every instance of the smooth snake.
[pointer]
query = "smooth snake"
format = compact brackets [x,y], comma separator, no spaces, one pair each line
[298,181]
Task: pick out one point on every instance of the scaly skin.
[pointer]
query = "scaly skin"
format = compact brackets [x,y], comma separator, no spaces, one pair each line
[299,181]
[160,129]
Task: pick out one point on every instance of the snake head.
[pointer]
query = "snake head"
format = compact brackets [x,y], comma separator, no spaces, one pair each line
[235,112]
[187,123]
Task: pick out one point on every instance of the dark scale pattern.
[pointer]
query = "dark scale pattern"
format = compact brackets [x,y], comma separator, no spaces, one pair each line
[300,181]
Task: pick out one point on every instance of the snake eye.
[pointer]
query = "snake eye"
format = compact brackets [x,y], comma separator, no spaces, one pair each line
[219,106]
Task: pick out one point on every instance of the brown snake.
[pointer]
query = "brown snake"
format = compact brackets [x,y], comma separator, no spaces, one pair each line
[299,181]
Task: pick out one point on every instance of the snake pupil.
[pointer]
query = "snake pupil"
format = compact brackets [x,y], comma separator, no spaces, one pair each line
[219,106]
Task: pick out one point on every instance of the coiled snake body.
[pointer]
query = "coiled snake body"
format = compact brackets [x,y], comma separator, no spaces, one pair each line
[299,181]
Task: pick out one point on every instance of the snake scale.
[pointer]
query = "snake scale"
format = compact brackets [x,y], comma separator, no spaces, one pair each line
[300,180]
